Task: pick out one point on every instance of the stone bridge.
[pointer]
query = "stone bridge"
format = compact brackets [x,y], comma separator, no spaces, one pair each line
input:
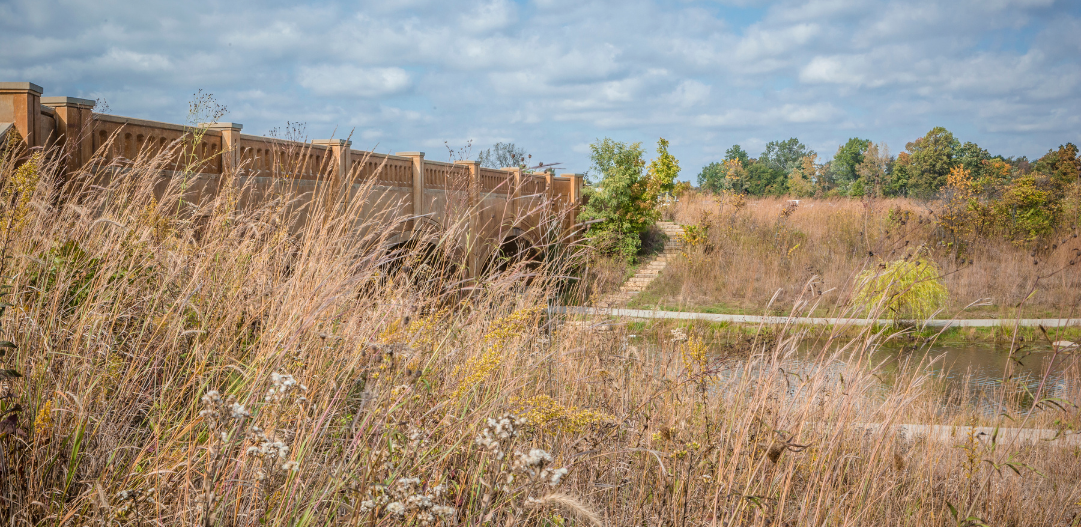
[506,211]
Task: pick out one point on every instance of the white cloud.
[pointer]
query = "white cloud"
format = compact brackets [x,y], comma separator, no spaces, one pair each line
[353,81]
[490,16]
[123,59]
[689,93]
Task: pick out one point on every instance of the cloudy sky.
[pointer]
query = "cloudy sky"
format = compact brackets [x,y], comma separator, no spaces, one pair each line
[554,75]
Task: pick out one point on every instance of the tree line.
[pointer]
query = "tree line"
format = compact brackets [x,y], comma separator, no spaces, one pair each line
[861,167]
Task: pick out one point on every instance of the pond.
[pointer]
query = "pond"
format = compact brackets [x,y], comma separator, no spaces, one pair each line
[978,367]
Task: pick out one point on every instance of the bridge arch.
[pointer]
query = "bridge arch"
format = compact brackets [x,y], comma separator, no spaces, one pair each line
[426,250]
[515,248]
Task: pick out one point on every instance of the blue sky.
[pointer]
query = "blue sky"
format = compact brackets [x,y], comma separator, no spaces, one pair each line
[554,75]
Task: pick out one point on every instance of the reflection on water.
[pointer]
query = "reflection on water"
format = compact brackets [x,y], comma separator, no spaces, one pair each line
[980,366]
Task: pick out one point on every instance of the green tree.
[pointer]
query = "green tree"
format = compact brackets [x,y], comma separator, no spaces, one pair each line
[736,152]
[1026,212]
[1062,167]
[712,177]
[784,156]
[662,173]
[847,158]
[973,158]
[873,171]
[802,180]
[898,175]
[761,180]
[905,288]
[932,157]
[618,202]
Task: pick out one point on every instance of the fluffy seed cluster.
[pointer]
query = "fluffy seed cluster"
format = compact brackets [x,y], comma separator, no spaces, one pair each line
[270,449]
[535,465]
[499,431]
[282,384]
[406,497]
[217,409]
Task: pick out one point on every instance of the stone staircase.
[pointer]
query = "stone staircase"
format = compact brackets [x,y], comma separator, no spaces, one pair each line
[648,272]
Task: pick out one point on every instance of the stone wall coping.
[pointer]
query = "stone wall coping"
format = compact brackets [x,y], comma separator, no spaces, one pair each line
[247,137]
[361,153]
[53,102]
[222,126]
[143,122]
[20,86]
[332,142]
[409,154]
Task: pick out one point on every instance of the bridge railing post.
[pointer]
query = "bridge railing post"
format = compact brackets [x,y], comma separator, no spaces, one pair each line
[514,194]
[20,104]
[73,117]
[341,153]
[474,232]
[230,144]
[419,206]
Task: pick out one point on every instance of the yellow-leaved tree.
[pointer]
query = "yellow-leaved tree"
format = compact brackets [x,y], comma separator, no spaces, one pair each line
[909,288]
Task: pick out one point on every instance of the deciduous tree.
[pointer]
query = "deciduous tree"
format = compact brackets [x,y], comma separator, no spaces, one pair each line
[932,157]
[847,158]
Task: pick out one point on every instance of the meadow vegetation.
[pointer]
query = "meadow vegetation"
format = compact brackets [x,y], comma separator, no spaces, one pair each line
[745,253]
[235,358]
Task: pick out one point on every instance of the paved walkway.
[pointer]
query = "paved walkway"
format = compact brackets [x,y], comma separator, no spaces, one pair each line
[760,319]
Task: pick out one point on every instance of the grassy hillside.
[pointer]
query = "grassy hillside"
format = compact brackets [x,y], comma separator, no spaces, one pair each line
[751,252]
[220,362]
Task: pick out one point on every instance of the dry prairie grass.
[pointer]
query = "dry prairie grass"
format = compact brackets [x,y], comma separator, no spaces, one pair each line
[769,246]
[221,362]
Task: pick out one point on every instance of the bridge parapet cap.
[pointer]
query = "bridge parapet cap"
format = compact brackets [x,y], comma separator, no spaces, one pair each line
[20,87]
[332,142]
[222,126]
[55,102]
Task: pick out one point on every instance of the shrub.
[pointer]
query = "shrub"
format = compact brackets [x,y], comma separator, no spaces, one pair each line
[624,202]
[905,288]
